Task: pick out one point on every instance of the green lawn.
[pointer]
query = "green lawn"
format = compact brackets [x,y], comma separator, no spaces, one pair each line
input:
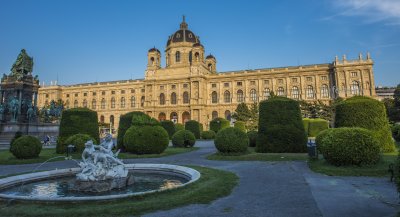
[380,169]
[6,158]
[251,155]
[213,184]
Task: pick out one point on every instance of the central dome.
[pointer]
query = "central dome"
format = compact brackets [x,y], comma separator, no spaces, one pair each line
[183,35]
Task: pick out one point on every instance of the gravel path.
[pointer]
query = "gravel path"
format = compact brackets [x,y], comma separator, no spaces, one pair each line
[272,189]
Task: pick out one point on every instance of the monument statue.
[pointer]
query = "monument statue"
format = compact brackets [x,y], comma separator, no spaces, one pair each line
[22,66]
[30,113]
[1,112]
[101,169]
[14,108]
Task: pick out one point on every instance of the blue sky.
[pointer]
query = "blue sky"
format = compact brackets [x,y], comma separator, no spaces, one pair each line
[86,41]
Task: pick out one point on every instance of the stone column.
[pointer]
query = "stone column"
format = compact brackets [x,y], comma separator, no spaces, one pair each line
[35,98]
[20,102]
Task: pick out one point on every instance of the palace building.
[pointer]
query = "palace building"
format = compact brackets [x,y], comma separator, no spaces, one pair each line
[189,87]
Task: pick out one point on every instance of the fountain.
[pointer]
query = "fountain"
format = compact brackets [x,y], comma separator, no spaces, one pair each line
[100,176]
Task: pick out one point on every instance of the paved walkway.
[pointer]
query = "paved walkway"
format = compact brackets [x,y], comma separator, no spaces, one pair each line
[272,189]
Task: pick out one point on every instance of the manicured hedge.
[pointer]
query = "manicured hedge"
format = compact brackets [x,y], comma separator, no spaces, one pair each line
[125,121]
[218,124]
[396,132]
[146,139]
[169,127]
[349,146]
[194,127]
[366,113]
[74,121]
[316,126]
[240,125]
[16,136]
[280,127]
[26,147]
[252,138]
[178,127]
[183,138]
[141,119]
[78,140]
[231,140]
[306,124]
[209,134]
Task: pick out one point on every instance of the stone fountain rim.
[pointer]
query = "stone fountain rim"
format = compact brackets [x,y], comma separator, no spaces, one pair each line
[192,174]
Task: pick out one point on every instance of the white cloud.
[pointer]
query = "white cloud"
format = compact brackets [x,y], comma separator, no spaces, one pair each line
[387,11]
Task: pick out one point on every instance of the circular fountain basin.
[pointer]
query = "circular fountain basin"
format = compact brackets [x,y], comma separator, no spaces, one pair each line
[53,185]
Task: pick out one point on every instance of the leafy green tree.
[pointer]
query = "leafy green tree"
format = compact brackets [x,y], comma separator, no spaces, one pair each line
[252,123]
[242,113]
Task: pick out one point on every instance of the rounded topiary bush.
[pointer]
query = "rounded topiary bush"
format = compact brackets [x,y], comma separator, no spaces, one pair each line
[26,147]
[169,127]
[75,121]
[125,121]
[231,140]
[142,119]
[16,136]
[194,127]
[218,124]
[209,134]
[366,113]
[252,138]
[78,140]
[316,126]
[183,138]
[146,139]
[280,127]
[396,132]
[240,125]
[178,127]
[349,146]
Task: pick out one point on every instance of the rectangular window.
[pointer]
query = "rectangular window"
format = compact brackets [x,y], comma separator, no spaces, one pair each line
[113,92]
[94,93]
[67,95]
[132,90]
[252,82]
[143,90]
[76,95]
[185,85]
[84,94]
[353,74]
[161,87]
[239,83]
[266,82]
[294,80]
[324,78]
[226,84]
[309,79]
[280,81]
[173,87]
[122,91]
[47,95]
[103,93]
[213,85]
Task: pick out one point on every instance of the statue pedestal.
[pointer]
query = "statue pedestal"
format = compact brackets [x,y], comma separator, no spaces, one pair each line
[102,185]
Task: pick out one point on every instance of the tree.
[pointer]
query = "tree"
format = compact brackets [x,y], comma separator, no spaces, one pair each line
[253,121]
[242,113]
[397,97]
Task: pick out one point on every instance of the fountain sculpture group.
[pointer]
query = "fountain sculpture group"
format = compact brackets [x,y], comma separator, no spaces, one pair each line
[101,170]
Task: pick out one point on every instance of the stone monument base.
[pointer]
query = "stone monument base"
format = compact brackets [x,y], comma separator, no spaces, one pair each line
[103,185]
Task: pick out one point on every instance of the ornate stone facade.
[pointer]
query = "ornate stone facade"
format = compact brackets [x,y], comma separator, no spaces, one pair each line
[189,86]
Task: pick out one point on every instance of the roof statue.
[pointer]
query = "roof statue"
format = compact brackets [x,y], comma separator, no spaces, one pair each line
[22,66]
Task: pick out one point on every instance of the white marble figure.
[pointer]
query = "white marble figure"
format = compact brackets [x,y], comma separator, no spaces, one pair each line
[100,163]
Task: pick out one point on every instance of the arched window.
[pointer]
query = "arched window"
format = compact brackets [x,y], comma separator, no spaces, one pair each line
[76,104]
[133,101]
[152,61]
[112,120]
[113,102]
[94,104]
[162,116]
[355,88]
[253,95]
[324,91]
[228,115]
[122,102]
[84,104]
[281,91]
[214,97]
[214,115]
[227,97]
[142,101]
[190,57]
[174,117]
[102,119]
[240,97]
[295,92]
[173,98]
[210,66]
[267,93]
[185,97]
[196,57]
[185,117]
[177,56]
[103,104]
[310,92]
[67,104]
[162,99]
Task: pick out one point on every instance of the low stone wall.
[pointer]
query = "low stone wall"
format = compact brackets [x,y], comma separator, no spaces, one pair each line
[39,130]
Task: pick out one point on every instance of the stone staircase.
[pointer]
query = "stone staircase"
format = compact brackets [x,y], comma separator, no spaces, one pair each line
[5,140]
